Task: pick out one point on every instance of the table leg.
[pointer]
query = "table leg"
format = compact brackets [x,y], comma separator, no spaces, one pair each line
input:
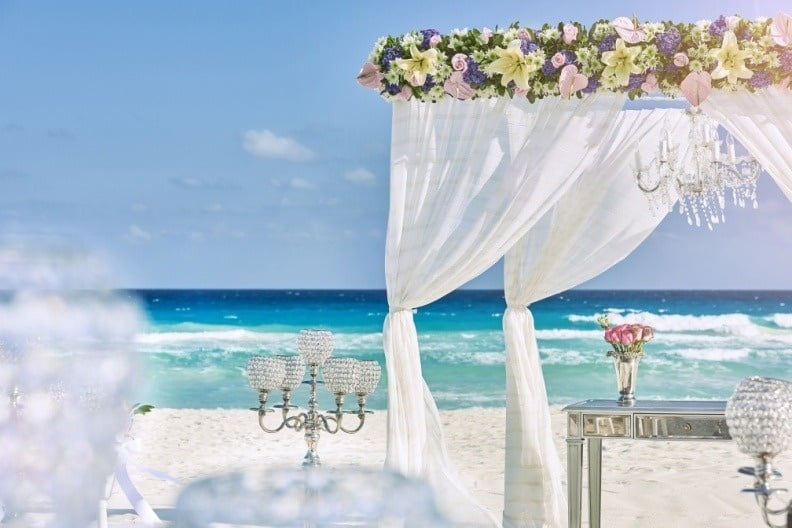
[574,480]
[595,480]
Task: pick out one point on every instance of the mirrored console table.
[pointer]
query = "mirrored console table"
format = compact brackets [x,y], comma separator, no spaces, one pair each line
[592,420]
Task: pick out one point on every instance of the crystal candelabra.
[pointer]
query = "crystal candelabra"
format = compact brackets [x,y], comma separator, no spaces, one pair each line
[341,376]
[759,416]
[698,175]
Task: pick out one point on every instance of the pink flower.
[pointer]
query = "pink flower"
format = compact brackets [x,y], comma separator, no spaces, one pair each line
[610,335]
[486,34]
[370,76]
[405,94]
[785,82]
[558,60]
[570,33]
[650,84]
[459,62]
[732,22]
[626,336]
[680,60]
[523,33]
[570,81]
[456,86]
[637,331]
[648,333]
[434,40]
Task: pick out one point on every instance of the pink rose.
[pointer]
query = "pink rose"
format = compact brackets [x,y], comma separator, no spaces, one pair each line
[648,333]
[370,76]
[637,332]
[570,33]
[459,62]
[523,33]
[558,60]
[680,60]
[626,336]
[610,335]
[486,35]
[434,40]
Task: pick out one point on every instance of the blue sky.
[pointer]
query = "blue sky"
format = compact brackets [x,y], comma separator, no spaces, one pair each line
[227,144]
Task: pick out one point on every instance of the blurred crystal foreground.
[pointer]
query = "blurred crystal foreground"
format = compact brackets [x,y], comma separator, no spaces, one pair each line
[66,371]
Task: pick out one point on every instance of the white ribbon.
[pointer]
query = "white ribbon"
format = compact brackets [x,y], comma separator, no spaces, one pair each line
[126,451]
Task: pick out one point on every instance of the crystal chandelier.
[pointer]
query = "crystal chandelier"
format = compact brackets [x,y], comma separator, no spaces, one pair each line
[698,174]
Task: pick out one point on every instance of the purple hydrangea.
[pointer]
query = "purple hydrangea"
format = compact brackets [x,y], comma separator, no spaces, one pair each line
[745,34]
[428,83]
[786,60]
[389,55]
[571,58]
[635,82]
[548,69]
[668,41]
[607,43]
[392,89]
[526,46]
[719,27]
[592,85]
[473,76]
[427,35]
[761,79]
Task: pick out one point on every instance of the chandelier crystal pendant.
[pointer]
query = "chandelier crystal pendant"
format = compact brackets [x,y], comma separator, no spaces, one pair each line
[698,174]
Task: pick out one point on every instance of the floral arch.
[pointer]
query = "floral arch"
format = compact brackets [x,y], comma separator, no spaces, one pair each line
[512,143]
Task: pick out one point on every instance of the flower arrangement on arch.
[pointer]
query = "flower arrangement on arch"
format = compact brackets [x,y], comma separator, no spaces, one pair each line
[568,59]
[626,339]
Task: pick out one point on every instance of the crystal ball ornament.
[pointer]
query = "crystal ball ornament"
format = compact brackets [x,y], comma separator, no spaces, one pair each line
[295,372]
[367,376]
[339,375]
[266,373]
[315,346]
[759,416]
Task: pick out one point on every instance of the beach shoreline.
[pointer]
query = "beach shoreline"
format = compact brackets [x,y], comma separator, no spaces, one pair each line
[644,483]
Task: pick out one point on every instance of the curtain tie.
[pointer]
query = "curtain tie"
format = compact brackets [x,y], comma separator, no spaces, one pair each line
[397,309]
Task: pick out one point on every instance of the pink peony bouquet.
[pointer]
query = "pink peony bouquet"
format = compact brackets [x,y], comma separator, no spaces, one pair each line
[626,339]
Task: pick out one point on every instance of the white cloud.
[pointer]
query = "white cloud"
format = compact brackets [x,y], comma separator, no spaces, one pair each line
[361,176]
[137,233]
[265,144]
[302,183]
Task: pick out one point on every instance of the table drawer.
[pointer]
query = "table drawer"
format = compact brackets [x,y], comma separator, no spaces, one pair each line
[681,427]
[614,426]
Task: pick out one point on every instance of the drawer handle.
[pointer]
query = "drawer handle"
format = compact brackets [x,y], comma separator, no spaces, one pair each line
[688,427]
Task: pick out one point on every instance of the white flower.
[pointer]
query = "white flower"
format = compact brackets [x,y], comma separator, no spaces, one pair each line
[601,29]
[478,56]
[409,39]
[392,76]
[549,34]
[510,34]
[460,32]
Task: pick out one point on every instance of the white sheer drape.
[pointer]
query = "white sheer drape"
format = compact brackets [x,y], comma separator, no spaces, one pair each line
[468,178]
[599,221]
[762,122]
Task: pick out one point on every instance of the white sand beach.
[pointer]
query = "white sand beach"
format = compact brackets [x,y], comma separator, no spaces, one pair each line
[646,484]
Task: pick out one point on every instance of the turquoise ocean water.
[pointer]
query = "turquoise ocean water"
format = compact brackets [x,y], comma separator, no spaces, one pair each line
[194,351]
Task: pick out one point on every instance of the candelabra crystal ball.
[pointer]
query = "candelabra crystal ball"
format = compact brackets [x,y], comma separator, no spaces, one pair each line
[759,416]
[315,346]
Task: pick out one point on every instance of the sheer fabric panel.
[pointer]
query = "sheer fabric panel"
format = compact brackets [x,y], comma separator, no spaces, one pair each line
[468,179]
[762,122]
[599,221]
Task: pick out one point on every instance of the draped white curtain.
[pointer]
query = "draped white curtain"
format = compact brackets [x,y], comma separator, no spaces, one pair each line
[762,122]
[599,221]
[468,178]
